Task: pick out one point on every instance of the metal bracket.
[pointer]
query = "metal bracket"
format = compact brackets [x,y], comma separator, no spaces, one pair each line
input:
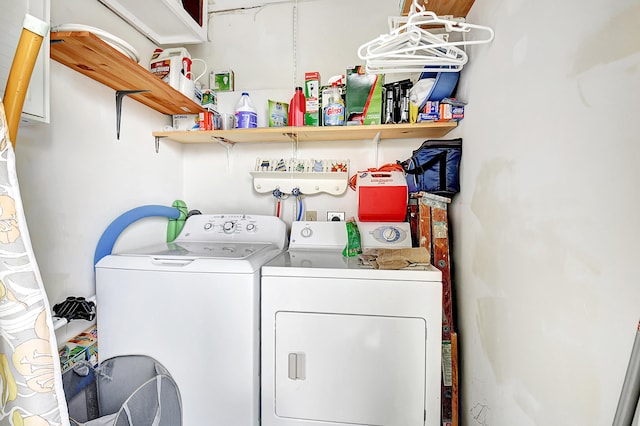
[227,144]
[223,141]
[119,95]
[292,136]
[376,141]
[158,143]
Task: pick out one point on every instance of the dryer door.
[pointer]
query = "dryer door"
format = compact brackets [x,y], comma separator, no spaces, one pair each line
[355,369]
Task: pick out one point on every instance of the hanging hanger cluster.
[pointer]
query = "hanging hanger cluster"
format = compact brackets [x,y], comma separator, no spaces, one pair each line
[410,47]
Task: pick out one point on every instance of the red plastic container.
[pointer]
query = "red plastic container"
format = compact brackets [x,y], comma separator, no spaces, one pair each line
[297,108]
[382,196]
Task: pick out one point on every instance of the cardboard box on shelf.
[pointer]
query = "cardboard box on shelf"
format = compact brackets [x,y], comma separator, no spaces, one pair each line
[448,109]
[209,100]
[222,81]
[312,96]
[451,110]
[430,112]
[205,120]
[364,97]
[186,122]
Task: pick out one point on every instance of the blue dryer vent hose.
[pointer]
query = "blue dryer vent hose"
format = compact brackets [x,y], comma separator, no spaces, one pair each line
[113,231]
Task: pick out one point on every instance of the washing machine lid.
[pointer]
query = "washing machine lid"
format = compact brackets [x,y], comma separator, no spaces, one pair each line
[200,250]
[331,264]
[208,257]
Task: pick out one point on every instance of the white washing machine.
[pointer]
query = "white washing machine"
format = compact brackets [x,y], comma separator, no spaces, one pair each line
[193,305]
[344,344]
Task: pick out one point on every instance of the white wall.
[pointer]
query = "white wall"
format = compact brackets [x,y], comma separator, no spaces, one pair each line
[75,177]
[545,226]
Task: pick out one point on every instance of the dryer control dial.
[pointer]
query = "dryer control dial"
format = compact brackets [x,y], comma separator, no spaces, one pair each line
[306,232]
[390,234]
[251,227]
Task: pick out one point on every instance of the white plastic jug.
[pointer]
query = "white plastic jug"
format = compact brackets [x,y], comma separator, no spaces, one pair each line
[173,66]
[167,64]
[246,113]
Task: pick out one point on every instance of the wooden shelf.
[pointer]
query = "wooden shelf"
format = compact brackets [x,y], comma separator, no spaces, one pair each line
[86,53]
[287,134]
[456,8]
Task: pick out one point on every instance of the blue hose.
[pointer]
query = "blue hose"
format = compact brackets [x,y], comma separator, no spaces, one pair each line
[299,209]
[113,231]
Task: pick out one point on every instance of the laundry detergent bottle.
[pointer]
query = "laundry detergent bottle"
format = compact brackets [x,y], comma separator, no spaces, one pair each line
[297,108]
[246,113]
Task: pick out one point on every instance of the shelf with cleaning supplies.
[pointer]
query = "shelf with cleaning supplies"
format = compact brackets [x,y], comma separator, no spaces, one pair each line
[435,129]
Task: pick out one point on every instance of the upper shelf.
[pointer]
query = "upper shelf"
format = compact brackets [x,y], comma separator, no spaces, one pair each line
[308,133]
[456,8]
[86,53]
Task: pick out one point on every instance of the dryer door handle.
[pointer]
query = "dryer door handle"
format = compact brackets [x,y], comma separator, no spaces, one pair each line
[297,366]
[171,262]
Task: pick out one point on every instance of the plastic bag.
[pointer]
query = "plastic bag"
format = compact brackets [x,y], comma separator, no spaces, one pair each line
[353,247]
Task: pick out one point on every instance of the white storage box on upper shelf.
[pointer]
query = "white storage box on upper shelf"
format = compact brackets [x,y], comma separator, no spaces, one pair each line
[169,22]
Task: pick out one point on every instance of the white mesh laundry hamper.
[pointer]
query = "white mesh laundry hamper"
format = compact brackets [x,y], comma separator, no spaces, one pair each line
[129,390]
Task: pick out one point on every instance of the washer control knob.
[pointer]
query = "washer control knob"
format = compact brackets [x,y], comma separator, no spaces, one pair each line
[228,226]
[306,232]
[251,227]
[208,226]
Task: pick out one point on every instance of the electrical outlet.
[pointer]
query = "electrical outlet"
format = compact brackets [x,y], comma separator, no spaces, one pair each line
[335,216]
[311,215]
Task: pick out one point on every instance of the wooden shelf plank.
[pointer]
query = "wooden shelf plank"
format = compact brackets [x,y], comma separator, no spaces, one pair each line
[287,134]
[86,53]
[457,8]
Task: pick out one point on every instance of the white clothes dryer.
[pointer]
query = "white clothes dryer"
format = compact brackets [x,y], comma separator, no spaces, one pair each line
[193,305]
[344,344]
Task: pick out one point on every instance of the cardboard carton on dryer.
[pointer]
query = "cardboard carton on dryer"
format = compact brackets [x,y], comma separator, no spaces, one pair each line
[382,196]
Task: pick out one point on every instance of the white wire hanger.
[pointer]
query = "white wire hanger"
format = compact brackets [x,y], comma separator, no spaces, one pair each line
[411,48]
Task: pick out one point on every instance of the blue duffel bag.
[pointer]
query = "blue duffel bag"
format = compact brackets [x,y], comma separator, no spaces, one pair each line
[434,167]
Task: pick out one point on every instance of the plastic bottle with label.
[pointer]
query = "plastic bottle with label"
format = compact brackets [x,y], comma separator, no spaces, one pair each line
[333,114]
[246,113]
[167,64]
[297,108]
